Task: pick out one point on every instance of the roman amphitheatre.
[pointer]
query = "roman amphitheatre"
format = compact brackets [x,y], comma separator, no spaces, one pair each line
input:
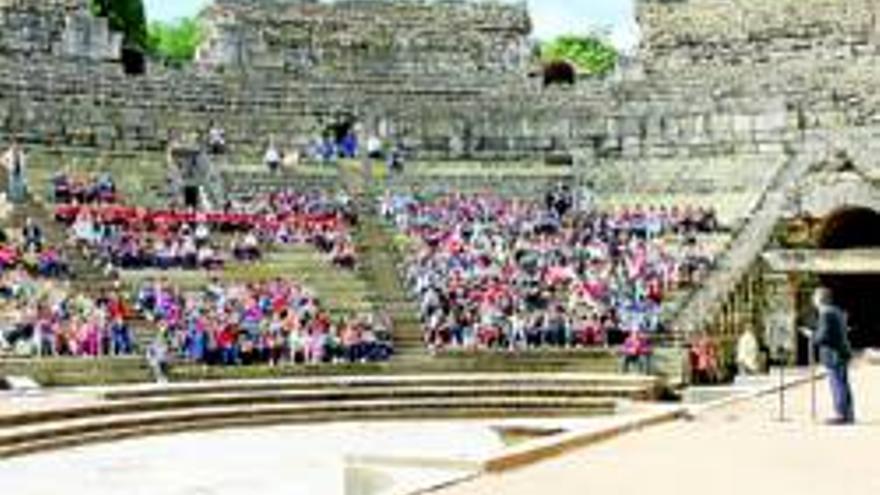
[383,247]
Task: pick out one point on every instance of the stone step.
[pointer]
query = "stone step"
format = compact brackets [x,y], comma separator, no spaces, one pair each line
[51,435]
[209,399]
[133,369]
[349,383]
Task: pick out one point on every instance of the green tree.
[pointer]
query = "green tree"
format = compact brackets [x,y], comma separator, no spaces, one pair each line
[175,42]
[127,17]
[591,53]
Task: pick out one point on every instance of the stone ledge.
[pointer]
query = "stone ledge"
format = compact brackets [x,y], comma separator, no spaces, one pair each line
[62,434]
[554,446]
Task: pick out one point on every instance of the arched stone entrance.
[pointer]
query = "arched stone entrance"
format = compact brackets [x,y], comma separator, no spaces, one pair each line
[559,72]
[134,63]
[340,137]
[858,295]
[339,129]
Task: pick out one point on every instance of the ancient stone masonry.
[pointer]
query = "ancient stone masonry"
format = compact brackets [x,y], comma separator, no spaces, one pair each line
[361,36]
[819,55]
[62,28]
[728,102]
[732,32]
[399,66]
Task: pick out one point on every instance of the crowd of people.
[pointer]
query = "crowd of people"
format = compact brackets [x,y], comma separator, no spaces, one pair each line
[49,261]
[30,252]
[83,189]
[50,320]
[137,238]
[496,273]
[487,272]
[271,322]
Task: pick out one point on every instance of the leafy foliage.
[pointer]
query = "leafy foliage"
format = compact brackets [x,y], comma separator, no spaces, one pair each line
[591,54]
[175,42]
[127,17]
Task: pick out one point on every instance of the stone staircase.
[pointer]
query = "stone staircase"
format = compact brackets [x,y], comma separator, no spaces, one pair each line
[745,249]
[381,268]
[110,414]
[380,265]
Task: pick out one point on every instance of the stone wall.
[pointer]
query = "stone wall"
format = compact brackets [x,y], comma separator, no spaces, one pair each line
[62,28]
[373,35]
[735,32]
[75,105]
[691,114]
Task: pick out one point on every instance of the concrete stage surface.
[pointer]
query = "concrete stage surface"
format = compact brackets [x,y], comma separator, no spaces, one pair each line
[734,444]
[734,450]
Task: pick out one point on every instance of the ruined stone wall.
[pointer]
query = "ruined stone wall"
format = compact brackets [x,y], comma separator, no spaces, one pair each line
[62,28]
[75,105]
[373,35]
[737,32]
[621,124]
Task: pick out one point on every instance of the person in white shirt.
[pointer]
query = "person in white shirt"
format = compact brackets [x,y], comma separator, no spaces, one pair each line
[216,140]
[273,157]
[203,234]
[157,358]
[747,353]
[374,147]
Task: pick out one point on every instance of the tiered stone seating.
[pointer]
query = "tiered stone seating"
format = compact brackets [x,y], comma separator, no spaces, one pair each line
[118,370]
[341,291]
[732,186]
[504,178]
[140,176]
[97,105]
[245,181]
[112,414]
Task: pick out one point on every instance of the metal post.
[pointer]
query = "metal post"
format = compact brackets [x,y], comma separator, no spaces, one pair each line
[38,337]
[782,385]
[814,414]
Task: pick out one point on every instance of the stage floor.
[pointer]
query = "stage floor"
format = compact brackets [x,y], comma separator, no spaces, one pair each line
[332,459]
[732,450]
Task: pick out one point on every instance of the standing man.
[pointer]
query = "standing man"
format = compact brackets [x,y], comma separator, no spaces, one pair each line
[15,162]
[835,354]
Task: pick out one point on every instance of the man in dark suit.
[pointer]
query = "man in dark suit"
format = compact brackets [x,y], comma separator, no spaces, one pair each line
[835,354]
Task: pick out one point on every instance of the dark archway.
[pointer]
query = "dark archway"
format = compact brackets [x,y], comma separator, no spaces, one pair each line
[559,72]
[134,63]
[340,138]
[854,228]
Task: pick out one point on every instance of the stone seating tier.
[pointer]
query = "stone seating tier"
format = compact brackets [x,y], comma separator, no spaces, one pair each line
[116,413]
[113,111]
[120,370]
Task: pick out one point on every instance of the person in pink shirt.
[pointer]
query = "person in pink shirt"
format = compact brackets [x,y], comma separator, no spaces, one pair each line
[637,351]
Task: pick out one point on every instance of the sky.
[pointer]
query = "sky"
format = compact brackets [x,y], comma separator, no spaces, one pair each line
[551,17]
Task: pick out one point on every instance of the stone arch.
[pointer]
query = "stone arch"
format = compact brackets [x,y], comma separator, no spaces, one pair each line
[850,227]
[840,179]
[338,129]
[559,72]
[134,62]
[854,227]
